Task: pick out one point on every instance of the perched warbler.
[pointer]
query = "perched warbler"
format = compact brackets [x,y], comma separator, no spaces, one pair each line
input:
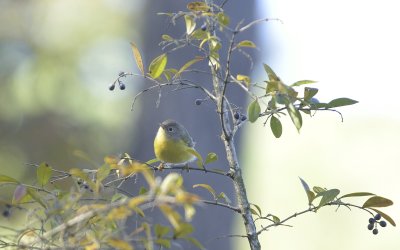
[173,143]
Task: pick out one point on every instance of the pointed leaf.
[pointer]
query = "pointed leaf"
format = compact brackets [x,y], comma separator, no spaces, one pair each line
[199,161]
[167,38]
[138,57]
[302,82]
[246,43]
[377,201]
[155,160]
[339,102]
[294,115]
[161,230]
[309,93]
[328,196]
[222,195]
[244,78]
[103,172]
[258,209]
[271,74]
[183,230]
[309,193]
[356,194]
[157,66]
[387,217]
[253,111]
[276,126]
[7,179]
[190,24]
[211,157]
[19,192]
[318,190]
[188,64]
[223,19]
[208,188]
[43,174]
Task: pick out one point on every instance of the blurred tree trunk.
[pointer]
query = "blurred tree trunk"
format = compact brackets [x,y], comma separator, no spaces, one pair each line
[201,121]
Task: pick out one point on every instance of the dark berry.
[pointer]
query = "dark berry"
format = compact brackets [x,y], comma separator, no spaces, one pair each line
[377,217]
[204,27]
[370,226]
[375,231]
[111,87]
[85,186]
[382,223]
[371,220]
[243,118]
[6,213]
[198,101]
[236,116]
[121,86]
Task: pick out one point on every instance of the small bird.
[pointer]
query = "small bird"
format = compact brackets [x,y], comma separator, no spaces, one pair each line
[173,143]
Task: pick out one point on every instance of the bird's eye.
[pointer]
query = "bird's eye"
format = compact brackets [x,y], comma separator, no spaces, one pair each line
[170,129]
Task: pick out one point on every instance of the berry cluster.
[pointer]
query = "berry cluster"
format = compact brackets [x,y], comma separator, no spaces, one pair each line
[120,83]
[373,223]
[7,211]
[240,117]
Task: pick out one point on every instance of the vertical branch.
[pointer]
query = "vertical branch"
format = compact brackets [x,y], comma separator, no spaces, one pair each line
[228,139]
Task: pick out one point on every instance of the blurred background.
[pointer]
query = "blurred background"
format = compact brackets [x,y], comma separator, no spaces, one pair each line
[58,58]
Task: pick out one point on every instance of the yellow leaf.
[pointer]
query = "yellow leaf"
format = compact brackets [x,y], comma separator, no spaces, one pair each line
[244,78]
[198,6]
[157,66]
[119,213]
[246,43]
[136,201]
[138,57]
[188,64]
[119,244]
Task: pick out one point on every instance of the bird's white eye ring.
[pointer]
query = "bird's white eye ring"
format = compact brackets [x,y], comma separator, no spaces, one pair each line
[170,129]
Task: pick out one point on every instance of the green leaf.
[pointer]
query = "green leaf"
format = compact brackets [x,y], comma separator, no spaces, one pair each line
[302,82]
[103,172]
[211,157]
[254,212]
[149,162]
[276,126]
[160,230]
[142,190]
[43,174]
[243,78]
[183,230]
[275,219]
[309,93]
[167,38]
[223,19]
[294,115]
[309,193]
[339,102]
[163,242]
[318,190]
[377,201]
[246,43]
[328,196]
[258,208]
[188,64]
[138,57]
[199,161]
[195,242]
[385,216]
[190,24]
[253,111]
[198,6]
[208,188]
[356,194]
[157,66]
[271,74]
[7,179]
[36,196]
[222,195]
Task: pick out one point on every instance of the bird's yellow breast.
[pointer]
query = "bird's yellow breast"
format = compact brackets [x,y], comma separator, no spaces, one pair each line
[171,150]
